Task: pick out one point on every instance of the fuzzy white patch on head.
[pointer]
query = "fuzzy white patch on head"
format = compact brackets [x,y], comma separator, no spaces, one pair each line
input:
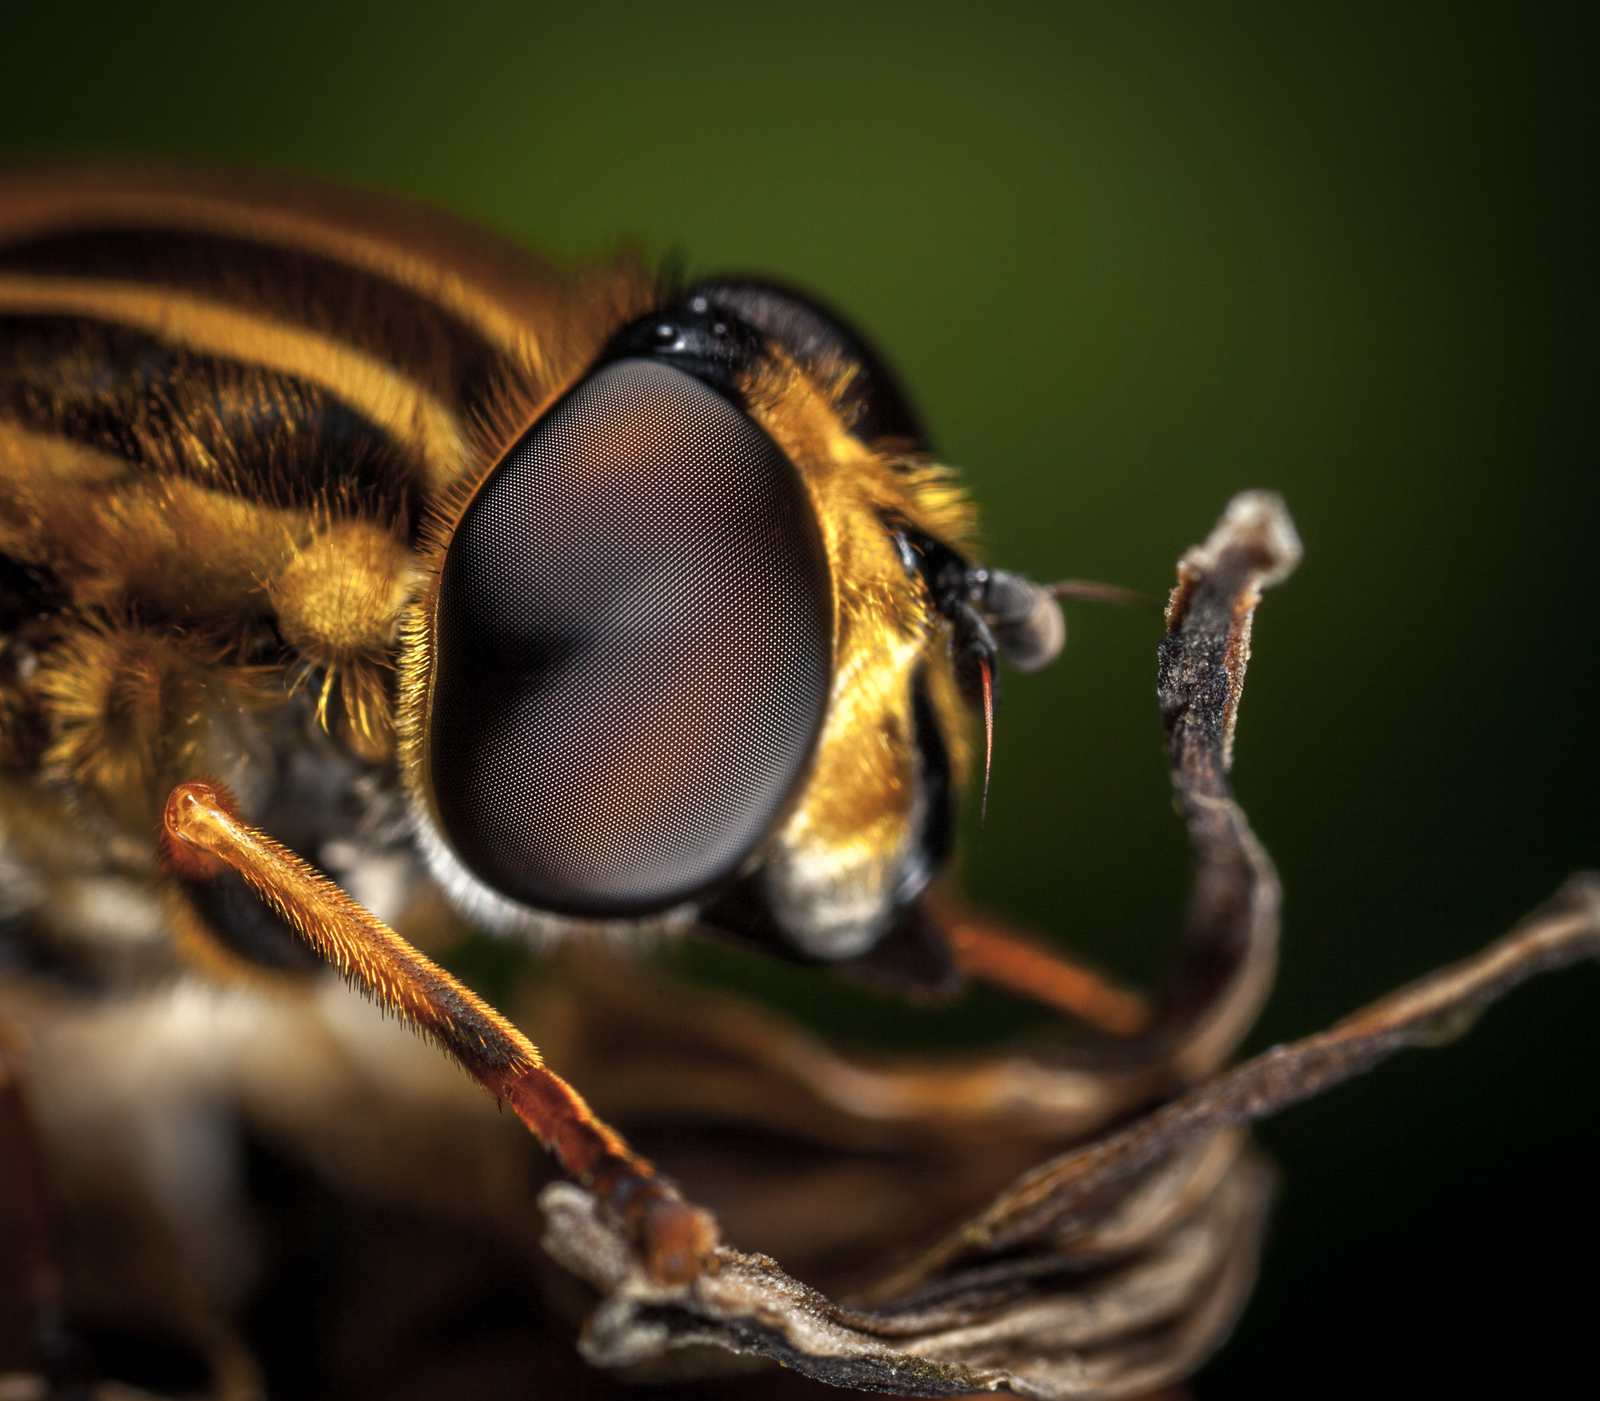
[489,910]
[836,902]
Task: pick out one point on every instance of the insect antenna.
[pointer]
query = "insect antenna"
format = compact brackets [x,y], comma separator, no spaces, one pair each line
[1088,591]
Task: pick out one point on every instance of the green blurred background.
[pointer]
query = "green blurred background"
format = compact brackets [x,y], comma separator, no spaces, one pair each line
[1131,258]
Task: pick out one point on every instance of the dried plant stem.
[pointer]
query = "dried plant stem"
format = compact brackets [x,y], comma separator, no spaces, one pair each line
[1434,1007]
[1114,1268]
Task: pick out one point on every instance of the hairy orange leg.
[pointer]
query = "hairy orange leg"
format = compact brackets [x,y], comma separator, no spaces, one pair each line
[986,949]
[203,827]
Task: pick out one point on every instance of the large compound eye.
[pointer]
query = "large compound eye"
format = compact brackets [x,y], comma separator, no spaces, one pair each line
[633,647]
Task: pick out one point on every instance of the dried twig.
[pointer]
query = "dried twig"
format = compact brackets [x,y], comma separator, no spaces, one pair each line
[1116,1267]
[1434,1008]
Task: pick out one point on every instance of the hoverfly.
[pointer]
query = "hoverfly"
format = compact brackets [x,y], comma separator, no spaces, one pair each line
[352,562]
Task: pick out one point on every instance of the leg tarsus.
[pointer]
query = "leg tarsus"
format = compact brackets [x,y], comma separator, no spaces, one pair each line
[989,950]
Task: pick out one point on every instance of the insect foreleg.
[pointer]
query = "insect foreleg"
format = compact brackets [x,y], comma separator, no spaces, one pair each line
[203,831]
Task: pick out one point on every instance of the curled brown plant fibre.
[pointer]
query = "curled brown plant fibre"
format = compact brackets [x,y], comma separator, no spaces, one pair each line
[1118,1263]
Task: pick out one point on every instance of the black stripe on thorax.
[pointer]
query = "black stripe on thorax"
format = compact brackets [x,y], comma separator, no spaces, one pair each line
[369,312]
[261,434]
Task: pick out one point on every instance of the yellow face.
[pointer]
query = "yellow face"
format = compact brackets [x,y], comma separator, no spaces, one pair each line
[839,834]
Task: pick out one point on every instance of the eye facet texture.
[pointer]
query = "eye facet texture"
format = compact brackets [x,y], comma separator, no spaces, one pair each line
[634,638]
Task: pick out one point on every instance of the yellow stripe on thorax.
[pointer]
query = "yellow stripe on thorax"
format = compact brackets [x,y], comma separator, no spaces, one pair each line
[63,200]
[386,397]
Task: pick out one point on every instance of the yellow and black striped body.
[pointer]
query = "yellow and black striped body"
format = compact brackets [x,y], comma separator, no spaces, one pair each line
[238,421]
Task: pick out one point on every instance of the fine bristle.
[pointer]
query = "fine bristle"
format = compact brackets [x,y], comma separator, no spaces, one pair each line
[987,671]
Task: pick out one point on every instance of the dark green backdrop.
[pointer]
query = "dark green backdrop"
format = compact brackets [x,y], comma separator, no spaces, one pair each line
[1131,259]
